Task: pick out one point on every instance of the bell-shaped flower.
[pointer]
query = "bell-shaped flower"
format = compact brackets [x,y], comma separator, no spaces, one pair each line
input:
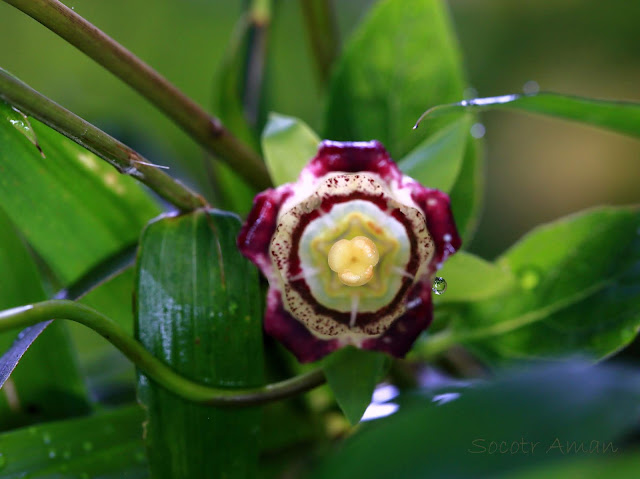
[350,251]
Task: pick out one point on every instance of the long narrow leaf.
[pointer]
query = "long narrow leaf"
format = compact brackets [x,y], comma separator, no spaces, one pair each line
[619,116]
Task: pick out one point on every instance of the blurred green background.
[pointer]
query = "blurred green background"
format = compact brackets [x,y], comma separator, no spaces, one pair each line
[538,168]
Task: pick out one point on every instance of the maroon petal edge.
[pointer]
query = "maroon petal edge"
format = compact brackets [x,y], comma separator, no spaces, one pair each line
[292,333]
[255,235]
[352,157]
[436,206]
[399,338]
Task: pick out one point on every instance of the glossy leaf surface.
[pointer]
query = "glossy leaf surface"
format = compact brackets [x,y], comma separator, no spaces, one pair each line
[434,438]
[577,291]
[437,161]
[72,207]
[199,309]
[470,278]
[46,385]
[402,54]
[288,145]
[107,445]
[352,375]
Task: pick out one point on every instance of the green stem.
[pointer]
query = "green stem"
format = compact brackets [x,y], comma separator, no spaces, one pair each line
[158,371]
[123,158]
[187,114]
[323,35]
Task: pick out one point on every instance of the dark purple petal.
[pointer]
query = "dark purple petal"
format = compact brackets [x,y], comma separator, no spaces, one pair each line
[352,157]
[440,223]
[292,333]
[255,235]
[405,330]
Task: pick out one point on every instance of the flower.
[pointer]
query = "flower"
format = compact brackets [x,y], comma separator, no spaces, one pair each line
[350,251]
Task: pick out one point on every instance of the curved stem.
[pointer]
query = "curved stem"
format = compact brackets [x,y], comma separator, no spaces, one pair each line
[187,114]
[123,158]
[150,365]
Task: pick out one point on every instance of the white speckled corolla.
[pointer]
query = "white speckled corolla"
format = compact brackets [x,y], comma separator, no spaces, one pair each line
[350,251]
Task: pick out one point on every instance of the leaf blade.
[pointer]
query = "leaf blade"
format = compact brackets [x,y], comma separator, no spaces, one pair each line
[470,278]
[420,442]
[105,445]
[437,161]
[352,375]
[199,310]
[97,210]
[288,145]
[403,53]
[619,116]
[47,384]
[577,285]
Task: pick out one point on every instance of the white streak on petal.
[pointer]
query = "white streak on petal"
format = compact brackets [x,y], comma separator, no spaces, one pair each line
[402,272]
[355,301]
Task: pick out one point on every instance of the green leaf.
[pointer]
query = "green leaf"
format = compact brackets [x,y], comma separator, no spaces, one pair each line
[232,191]
[109,374]
[72,207]
[106,445]
[470,278]
[46,384]
[288,145]
[437,161]
[594,466]
[352,375]
[404,55]
[577,291]
[619,116]
[466,194]
[570,403]
[199,309]
[231,83]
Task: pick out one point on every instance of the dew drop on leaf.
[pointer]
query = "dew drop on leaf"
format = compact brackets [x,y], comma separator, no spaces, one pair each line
[439,285]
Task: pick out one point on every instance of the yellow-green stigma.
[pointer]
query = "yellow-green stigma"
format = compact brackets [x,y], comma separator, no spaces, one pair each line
[354,260]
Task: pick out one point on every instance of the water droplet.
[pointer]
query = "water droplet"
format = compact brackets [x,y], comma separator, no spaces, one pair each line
[478,130]
[46,438]
[87,446]
[531,87]
[439,285]
[52,453]
[529,278]
[3,461]
[20,122]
